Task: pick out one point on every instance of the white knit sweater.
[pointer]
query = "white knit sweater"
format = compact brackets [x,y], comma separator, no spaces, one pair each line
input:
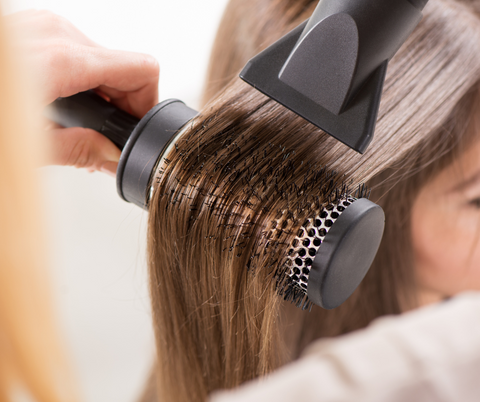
[431,354]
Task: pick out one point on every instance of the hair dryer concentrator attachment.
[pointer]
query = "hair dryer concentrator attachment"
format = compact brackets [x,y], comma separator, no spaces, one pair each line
[327,260]
[330,70]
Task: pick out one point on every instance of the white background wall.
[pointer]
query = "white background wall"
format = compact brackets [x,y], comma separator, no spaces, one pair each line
[98,240]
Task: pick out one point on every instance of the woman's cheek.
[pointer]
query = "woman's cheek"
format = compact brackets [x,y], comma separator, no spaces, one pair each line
[469,237]
[447,260]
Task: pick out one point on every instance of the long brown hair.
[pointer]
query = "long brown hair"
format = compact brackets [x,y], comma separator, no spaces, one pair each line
[242,178]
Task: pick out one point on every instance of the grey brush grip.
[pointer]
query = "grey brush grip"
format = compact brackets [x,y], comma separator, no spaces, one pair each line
[89,110]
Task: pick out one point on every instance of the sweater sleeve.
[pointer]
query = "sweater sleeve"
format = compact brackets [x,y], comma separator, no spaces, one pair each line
[431,354]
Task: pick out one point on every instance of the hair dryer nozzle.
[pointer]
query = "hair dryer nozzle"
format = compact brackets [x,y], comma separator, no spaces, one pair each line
[330,70]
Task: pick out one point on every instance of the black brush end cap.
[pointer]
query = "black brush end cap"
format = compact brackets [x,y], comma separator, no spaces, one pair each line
[346,254]
[144,147]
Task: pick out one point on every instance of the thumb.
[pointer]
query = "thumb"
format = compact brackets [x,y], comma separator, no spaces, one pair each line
[83,148]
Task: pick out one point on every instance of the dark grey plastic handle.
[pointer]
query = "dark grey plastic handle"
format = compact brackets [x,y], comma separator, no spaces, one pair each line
[89,110]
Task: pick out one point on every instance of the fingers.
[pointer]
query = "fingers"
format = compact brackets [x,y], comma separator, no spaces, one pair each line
[83,148]
[129,79]
[65,62]
[110,168]
[40,25]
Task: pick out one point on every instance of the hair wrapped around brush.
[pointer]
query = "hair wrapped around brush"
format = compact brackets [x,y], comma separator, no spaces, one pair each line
[230,198]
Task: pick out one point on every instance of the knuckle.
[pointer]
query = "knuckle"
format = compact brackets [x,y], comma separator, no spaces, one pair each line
[56,21]
[52,25]
[29,13]
[55,57]
[42,14]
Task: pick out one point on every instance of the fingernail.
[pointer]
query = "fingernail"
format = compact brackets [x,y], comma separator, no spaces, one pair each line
[109,168]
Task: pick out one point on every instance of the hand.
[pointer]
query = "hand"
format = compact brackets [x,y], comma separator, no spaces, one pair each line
[65,62]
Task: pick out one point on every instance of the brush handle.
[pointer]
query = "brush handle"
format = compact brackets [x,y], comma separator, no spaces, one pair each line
[89,110]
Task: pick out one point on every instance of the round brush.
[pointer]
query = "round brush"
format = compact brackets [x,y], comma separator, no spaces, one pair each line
[330,254]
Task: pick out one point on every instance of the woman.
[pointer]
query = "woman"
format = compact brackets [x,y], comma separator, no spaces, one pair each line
[221,221]
[29,361]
